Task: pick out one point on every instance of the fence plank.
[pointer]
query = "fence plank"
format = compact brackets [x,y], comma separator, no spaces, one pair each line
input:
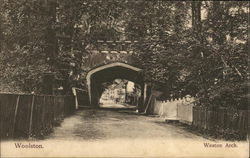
[14,121]
[23,115]
[31,115]
[37,116]
[221,120]
[7,112]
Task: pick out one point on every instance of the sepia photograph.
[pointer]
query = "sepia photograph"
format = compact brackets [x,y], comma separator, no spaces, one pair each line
[124,78]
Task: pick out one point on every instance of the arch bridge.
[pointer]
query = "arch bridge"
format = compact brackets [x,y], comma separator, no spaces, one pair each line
[110,72]
[109,61]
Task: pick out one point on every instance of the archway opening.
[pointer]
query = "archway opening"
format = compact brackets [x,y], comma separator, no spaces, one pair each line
[108,73]
[120,93]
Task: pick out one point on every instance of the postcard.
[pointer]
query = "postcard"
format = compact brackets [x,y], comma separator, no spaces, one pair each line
[121,78]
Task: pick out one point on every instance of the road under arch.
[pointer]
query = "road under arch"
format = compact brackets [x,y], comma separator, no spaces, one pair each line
[110,72]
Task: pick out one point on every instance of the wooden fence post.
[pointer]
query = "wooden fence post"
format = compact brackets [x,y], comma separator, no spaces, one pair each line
[16,108]
[162,109]
[177,110]
[149,100]
[31,115]
[43,114]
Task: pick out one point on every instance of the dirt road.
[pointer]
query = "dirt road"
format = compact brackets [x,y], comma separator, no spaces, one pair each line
[120,133]
[101,124]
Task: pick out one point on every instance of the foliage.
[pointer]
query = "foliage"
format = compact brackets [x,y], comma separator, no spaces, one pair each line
[207,59]
[22,57]
[222,63]
[46,36]
[159,27]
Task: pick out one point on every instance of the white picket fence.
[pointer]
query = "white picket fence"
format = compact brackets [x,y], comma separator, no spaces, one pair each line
[175,109]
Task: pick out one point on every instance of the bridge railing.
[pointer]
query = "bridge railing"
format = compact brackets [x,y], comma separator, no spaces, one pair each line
[28,115]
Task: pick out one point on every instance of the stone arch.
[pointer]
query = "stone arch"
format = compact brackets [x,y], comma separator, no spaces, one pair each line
[109,72]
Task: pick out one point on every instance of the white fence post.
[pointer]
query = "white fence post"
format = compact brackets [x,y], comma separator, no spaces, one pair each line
[76,102]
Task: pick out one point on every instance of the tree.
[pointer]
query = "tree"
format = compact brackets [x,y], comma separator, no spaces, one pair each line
[161,27]
[222,58]
[23,56]
[52,36]
[202,60]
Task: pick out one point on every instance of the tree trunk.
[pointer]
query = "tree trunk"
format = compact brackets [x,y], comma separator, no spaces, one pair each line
[196,15]
[197,30]
[196,24]
[217,14]
[1,34]
[50,35]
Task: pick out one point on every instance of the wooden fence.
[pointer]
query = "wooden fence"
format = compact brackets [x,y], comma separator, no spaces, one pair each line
[217,120]
[221,120]
[185,112]
[175,109]
[29,115]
